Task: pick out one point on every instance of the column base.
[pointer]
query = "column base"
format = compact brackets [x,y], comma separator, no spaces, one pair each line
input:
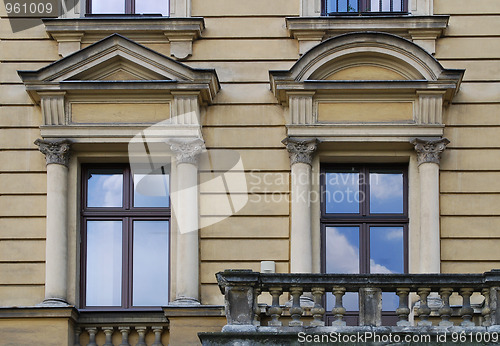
[53,302]
[185,301]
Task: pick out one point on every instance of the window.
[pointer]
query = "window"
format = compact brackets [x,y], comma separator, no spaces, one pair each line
[125,238]
[369,7]
[128,7]
[364,224]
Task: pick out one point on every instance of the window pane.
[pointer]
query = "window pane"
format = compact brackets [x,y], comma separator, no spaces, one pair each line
[342,193]
[342,256]
[151,190]
[150,263]
[386,193]
[152,7]
[105,188]
[104,263]
[387,256]
[108,6]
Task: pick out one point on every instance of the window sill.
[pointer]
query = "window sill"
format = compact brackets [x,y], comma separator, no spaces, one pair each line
[71,33]
[422,30]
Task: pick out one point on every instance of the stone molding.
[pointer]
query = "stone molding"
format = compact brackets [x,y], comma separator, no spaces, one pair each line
[422,30]
[70,33]
[56,152]
[429,151]
[301,150]
[186,150]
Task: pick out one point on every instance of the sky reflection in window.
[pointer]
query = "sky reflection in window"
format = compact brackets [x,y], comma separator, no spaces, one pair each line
[104,263]
[342,193]
[105,188]
[151,263]
[386,193]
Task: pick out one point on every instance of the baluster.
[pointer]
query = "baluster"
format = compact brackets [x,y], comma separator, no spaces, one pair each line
[256,318]
[466,311]
[318,310]
[108,331]
[92,332]
[275,310]
[142,336]
[296,310]
[338,310]
[486,311]
[424,311]
[125,332]
[403,310]
[445,309]
[78,331]
[158,330]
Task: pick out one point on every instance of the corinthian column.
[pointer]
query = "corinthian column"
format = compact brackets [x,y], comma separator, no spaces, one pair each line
[429,155]
[56,246]
[186,211]
[301,151]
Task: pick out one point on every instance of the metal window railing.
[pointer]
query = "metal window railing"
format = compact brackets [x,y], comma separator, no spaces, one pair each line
[364,7]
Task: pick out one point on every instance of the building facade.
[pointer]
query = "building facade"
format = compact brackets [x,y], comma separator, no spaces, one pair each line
[142,154]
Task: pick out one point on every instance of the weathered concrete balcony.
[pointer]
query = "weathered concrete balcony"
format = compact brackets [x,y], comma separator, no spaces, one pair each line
[302,319]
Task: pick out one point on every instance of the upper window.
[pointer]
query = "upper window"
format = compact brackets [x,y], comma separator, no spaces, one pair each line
[149,7]
[125,238]
[365,223]
[368,7]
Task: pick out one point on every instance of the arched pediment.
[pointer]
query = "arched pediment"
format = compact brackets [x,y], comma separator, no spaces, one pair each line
[121,60]
[361,58]
[365,86]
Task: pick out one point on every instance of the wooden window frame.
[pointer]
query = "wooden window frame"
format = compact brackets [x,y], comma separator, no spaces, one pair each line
[364,219]
[127,214]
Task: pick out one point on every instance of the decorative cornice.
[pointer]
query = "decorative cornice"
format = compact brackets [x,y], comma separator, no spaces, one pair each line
[186,150]
[301,150]
[429,151]
[57,152]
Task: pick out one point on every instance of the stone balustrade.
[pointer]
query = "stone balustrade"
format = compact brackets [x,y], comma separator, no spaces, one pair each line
[305,306]
[115,329]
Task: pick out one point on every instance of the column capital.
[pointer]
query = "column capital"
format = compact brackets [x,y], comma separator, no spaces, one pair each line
[429,151]
[301,150]
[186,150]
[56,151]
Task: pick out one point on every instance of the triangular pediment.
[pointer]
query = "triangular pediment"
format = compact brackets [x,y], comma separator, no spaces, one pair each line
[118,69]
[118,59]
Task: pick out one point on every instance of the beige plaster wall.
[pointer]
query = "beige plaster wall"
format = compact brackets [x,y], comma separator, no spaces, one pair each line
[243,40]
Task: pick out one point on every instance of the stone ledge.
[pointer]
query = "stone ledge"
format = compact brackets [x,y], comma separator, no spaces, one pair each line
[290,335]
[70,33]
[422,30]
[194,311]
[39,312]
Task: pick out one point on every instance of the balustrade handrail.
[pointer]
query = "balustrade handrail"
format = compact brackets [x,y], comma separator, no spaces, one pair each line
[352,282]
[242,288]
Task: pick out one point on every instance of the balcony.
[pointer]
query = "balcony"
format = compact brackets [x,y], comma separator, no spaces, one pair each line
[433,308]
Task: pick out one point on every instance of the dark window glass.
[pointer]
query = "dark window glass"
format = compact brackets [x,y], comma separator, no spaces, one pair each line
[125,238]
